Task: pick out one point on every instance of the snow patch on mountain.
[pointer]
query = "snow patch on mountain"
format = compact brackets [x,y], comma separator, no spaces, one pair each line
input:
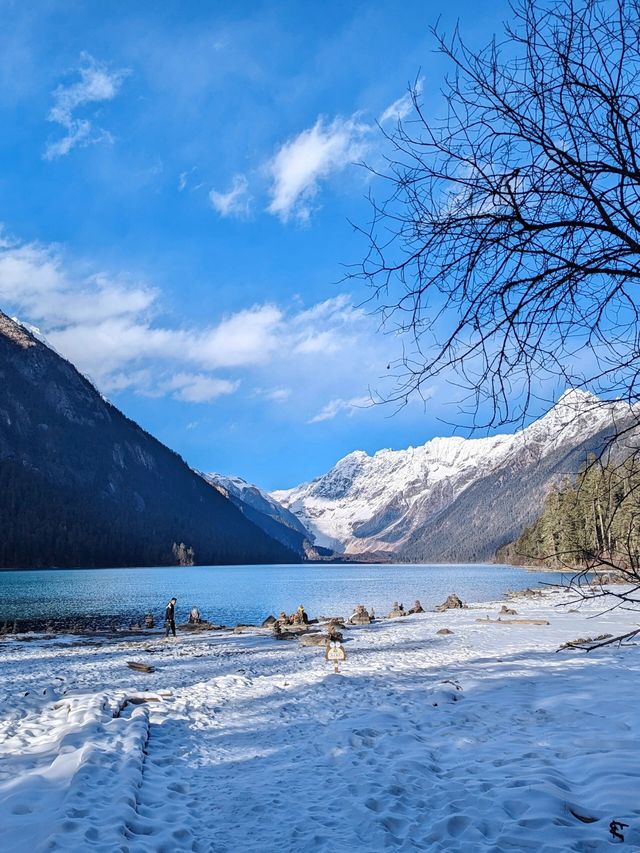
[255,497]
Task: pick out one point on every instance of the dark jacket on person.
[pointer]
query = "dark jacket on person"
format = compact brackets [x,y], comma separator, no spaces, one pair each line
[169,613]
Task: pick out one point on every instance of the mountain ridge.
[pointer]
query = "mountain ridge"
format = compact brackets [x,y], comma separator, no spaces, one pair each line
[399,502]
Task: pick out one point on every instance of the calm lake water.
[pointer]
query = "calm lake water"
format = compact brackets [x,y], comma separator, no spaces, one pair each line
[233,594]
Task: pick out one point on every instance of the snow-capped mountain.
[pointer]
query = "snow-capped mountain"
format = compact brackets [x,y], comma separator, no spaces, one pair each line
[410,502]
[263,510]
[256,497]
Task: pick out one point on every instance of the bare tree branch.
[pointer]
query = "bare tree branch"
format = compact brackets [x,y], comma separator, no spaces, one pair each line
[508,247]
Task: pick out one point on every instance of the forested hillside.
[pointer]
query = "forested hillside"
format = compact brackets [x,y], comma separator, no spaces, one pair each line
[82,485]
[595,520]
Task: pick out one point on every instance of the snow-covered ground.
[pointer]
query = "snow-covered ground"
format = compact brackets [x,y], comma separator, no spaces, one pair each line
[482,740]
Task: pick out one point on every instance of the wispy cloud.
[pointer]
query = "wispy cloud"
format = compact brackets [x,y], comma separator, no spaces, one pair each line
[97,83]
[276,395]
[199,388]
[300,165]
[235,202]
[400,109]
[189,179]
[335,407]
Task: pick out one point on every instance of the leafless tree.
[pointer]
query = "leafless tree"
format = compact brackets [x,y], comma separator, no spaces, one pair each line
[507,249]
[513,222]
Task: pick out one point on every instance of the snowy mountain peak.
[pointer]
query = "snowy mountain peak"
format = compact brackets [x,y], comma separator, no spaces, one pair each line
[246,494]
[572,403]
[576,397]
[369,503]
[576,413]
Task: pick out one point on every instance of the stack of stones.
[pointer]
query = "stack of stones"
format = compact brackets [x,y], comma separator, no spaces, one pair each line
[360,616]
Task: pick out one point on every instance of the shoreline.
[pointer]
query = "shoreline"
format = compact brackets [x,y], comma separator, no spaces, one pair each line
[112,627]
[330,564]
[101,614]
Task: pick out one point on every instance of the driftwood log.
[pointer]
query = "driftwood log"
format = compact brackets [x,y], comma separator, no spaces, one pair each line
[513,621]
[140,667]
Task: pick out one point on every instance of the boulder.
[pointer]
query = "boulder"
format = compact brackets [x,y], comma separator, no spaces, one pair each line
[444,631]
[268,622]
[199,627]
[149,621]
[314,639]
[417,607]
[499,621]
[583,641]
[508,611]
[525,593]
[606,578]
[452,603]
[397,610]
[288,632]
[284,635]
[360,616]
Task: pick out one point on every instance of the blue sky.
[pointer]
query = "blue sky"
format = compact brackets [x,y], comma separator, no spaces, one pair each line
[176,186]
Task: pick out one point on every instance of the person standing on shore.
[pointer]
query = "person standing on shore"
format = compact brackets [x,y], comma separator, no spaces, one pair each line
[170,617]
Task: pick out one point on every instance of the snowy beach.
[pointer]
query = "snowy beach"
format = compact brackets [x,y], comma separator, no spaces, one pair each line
[485,739]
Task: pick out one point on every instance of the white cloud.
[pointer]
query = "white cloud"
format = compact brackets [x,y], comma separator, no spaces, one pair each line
[335,407]
[303,162]
[186,178]
[323,341]
[97,84]
[199,388]
[400,109]
[34,278]
[112,329]
[310,157]
[249,336]
[300,165]
[235,202]
[276,395]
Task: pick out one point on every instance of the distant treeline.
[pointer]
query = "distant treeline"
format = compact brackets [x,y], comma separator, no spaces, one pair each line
[594,521]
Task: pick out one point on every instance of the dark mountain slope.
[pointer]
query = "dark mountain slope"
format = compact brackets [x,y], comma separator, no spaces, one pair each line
[494,510]
[82,485]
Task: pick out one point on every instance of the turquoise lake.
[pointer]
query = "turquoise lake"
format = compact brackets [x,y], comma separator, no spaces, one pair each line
[247,594]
